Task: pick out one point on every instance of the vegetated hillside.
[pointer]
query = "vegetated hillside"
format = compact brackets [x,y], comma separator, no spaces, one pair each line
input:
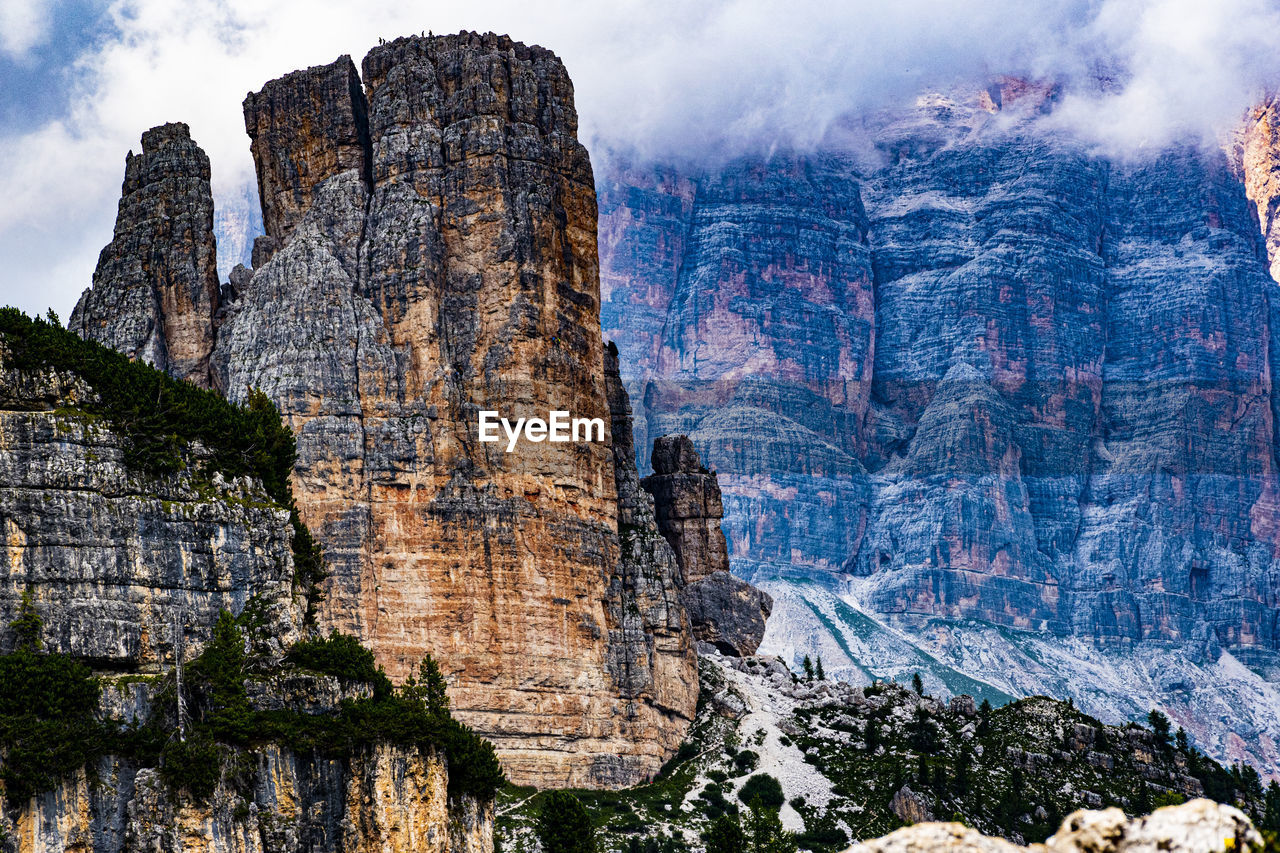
[855,763]
[157,690]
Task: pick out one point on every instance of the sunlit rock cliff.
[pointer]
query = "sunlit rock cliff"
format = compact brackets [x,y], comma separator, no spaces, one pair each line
[430,253]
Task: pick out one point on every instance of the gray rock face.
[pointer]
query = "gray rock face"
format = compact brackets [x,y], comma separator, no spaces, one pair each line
[993,378]
[723,610]
[727,612]
[155,290]
[115,558]
[432,255]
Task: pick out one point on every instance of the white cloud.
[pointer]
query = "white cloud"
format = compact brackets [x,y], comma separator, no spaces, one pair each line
[23,25]
[662,76]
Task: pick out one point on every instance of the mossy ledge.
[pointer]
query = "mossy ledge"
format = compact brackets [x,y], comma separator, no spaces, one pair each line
[51,724]
[162,418]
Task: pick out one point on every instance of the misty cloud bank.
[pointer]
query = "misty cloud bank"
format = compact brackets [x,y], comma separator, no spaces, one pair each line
[657,79]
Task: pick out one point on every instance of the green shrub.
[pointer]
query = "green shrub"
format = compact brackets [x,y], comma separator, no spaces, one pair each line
[411,716]
[564,826]
[193,765]
[48,727]
[342,656]
[745,761]
[764,788]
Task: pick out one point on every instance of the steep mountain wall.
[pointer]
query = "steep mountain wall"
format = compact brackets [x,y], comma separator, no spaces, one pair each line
[431,254]
[724,611]
[386,799]
[995,380]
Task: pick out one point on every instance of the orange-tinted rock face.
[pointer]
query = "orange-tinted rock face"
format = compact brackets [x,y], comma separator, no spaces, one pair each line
[458,276]
[1258,157]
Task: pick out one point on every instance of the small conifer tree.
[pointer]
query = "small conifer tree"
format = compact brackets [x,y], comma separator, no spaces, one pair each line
[28,627]
[564,826]
[725,836]
[808,668]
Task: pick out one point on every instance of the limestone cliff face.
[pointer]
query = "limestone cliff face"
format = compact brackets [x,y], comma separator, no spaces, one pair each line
[155,290]
[292,159]
[994,378]
[431,254]
[751,295]
[387,799]
[724,611]
[117,558]
[1257,158]
[126,568]
[457,273]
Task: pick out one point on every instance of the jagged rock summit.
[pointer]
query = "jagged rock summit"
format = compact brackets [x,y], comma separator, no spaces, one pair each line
[155,288]
[430,255]
[724,611]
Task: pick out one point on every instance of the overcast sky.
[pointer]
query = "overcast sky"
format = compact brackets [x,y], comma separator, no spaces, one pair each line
[81,79]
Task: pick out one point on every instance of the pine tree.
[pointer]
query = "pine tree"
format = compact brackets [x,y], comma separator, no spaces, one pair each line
[1160,725]
[1271,809]
[808,668]
[564,825]
[960,782]
[917,684]
[1180,740]
[765,832]
[822,676]
[724,836]
[984,718]
[435,686]
[28,627]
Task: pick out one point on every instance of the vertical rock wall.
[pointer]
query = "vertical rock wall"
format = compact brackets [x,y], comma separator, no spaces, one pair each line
[117,558]
[431,254]
[457,275]
[1257,160]
[1068,425]
[387,799]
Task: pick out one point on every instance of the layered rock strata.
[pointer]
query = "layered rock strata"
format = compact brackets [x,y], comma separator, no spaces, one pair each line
[724,611]
[155,289]
[431,254]
[123,564]
[128,570]
[994,377]
[458,274]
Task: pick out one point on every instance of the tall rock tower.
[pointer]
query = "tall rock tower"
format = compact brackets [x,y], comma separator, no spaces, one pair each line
[155,290]
[431,254]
